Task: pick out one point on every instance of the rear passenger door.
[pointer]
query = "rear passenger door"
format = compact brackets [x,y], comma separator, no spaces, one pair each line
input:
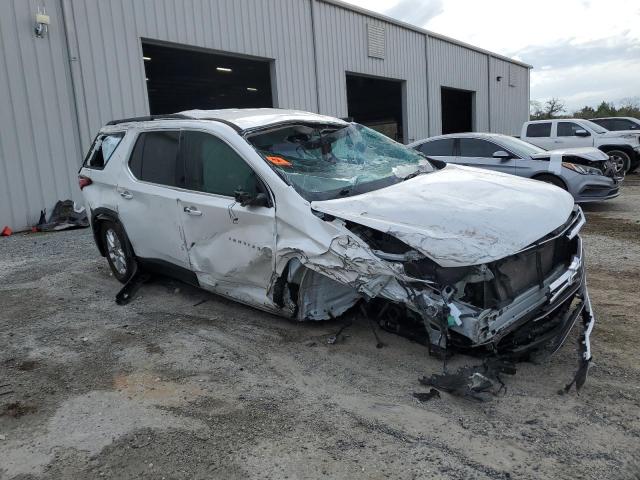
[476,152]
[539,134]
[230,246]
[148,191]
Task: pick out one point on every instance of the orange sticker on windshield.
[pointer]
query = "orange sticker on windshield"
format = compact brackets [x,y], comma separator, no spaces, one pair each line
[279,161]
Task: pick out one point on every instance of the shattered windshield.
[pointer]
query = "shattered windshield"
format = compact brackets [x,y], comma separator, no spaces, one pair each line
[324,161]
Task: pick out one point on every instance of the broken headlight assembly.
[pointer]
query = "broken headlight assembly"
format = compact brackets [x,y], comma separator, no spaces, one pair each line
[581,169]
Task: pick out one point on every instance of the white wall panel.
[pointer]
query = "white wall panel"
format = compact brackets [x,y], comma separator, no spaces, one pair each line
[454,66]
[39,149]
[341,43]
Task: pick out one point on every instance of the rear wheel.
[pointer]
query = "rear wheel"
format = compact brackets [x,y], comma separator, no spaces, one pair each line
[553,180]
[118,251]
[621,161]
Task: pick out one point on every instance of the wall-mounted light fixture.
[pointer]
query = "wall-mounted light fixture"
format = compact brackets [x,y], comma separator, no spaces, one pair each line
[42,22]
[498,78]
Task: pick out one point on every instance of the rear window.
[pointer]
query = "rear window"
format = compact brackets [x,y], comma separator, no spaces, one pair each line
[539,129]
[438,148]
[102,150]
[155,158]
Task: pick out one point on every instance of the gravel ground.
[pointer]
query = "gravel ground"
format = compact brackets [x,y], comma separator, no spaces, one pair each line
[170,387]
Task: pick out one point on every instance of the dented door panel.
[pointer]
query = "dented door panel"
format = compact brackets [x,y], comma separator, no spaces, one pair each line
[230,247]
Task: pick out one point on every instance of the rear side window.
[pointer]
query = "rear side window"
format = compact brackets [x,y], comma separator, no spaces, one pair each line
[438,148]
[623,124]
[568,129]
[155,158]
[212,166]
[102,150]
[473,147]
[539,129]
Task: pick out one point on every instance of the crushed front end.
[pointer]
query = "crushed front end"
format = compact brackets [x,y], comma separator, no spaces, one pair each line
[525,302]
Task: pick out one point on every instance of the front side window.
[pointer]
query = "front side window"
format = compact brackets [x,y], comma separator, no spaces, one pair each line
[568,129]
[539,129]
[324,161]
[102,150]
[473,147]
[438,148]
[155,158]
[212,166]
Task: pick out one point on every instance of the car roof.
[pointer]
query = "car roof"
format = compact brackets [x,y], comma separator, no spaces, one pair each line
[488,136]
[614,118]
[240,119]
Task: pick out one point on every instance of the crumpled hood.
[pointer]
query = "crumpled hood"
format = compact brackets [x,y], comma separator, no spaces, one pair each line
[459,215]
[589,153]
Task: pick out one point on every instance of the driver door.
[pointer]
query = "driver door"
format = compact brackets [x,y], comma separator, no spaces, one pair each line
[230,247]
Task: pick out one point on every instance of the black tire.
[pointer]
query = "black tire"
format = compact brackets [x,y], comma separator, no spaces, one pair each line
[118,251]
[552,179]
[620,156]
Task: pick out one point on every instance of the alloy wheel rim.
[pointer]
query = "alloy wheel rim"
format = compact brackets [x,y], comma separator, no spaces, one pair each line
[618,161]
[116,252]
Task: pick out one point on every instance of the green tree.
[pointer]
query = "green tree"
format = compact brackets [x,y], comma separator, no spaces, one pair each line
[606,110]
[585,112]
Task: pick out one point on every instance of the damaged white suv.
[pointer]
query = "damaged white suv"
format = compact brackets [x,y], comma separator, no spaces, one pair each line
[307,216]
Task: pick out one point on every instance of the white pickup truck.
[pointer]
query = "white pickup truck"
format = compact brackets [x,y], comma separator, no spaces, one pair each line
[622,146]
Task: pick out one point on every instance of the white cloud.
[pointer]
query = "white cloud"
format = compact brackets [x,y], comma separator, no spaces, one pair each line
[581,50]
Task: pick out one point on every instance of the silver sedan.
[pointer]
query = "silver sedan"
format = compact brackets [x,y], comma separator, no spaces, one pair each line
[587,173]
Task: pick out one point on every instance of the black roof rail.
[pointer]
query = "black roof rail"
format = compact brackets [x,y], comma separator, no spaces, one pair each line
[170,116]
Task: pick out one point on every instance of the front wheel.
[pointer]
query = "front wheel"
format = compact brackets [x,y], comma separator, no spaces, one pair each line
[553,180]
[118,251]
[621,161]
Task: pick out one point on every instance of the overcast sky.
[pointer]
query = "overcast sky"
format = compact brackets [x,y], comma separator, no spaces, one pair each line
[582,51]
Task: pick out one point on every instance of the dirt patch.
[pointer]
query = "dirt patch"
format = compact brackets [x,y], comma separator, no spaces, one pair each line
[27,366]
[154,348]
[613,227]
[16,410]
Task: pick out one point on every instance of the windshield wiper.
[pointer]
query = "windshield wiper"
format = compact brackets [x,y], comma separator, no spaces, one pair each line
[413,175]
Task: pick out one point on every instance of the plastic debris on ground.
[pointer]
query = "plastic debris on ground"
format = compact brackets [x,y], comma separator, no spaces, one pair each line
[65,215]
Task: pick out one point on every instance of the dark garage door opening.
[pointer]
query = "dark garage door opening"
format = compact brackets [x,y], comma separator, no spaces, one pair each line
[376,103]
[457,110]
[180,79]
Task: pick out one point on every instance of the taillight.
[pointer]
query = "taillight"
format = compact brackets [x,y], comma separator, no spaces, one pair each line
[84,181]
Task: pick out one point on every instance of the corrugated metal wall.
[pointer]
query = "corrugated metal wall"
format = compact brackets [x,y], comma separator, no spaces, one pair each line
[509,96]
[39,148]
[105,36]
[341,45]
[455,66]
[59,90]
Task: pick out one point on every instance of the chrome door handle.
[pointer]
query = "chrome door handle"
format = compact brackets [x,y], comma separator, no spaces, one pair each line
[126,194]
[192,211]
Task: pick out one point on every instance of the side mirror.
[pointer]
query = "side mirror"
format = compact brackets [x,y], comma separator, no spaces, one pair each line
[502,155]
[247,199]
[582,133]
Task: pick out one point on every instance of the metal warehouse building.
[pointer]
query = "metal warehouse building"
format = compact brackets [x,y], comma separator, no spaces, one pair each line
[99,60]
